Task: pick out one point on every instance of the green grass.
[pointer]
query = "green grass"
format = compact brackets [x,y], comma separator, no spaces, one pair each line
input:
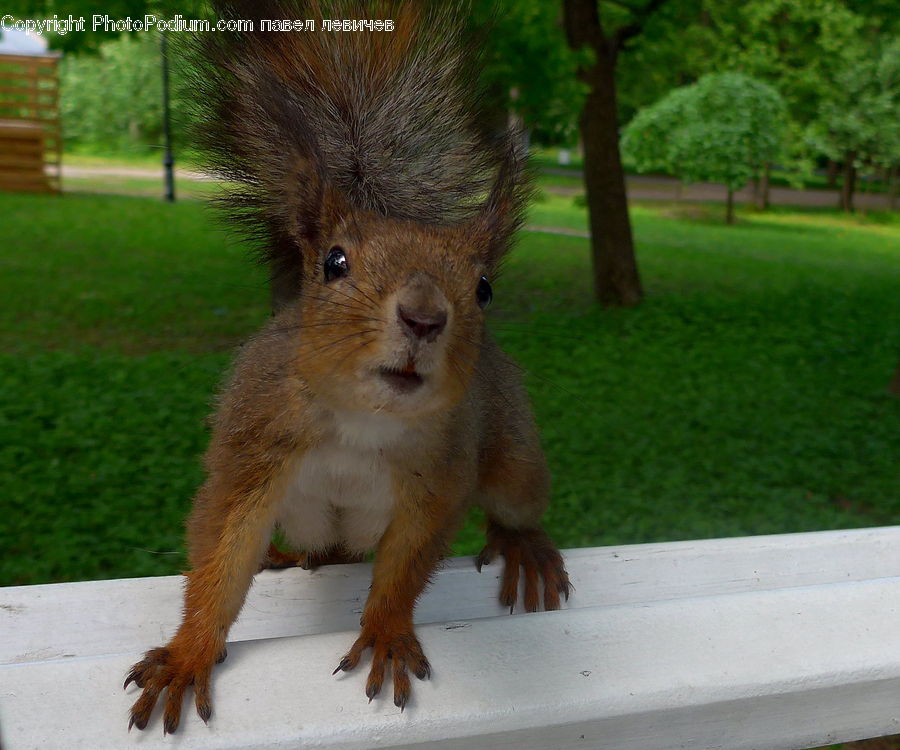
[74,157]
[141,187]
[745,396]
[86,155]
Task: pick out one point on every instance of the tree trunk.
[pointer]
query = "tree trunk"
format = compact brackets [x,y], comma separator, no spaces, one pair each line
[729,207]
[894,387]
[849,182]
[832,173]
[761,188]
[616,279]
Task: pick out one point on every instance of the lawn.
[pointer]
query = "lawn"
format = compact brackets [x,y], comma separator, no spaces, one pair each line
[745,396]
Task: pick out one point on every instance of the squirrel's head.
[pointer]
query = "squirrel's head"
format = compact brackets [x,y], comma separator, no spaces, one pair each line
[391,312]
[360,161]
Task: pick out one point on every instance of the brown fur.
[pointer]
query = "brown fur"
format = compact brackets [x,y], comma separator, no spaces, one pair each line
[276,558]
[394,121]
[313,407]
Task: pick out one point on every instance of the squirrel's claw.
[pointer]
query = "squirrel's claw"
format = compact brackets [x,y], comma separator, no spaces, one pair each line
[402,649]
[531,552]
[159,671]
[485,557]
[344,666]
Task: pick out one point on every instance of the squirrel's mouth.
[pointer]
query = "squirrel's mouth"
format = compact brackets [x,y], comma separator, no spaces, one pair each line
[402,380]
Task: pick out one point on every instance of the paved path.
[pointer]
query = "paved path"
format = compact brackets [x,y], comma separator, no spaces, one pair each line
[145,173]
[647,187]
[556,230]
[639,187]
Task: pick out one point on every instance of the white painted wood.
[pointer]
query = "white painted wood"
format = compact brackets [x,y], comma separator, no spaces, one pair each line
[766,642]
[126,615]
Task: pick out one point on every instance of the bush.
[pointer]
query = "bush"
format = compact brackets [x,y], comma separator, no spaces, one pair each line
[111,100]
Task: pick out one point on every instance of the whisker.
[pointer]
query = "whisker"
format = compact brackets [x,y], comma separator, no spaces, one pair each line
[369,297]
[461,377]
[371,340]
[476,365]
[357,300]
[328,301]
[336,341]
[530,373]
[525,328]
[323,323]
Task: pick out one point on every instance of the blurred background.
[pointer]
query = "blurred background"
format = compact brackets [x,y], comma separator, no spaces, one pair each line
[706,299]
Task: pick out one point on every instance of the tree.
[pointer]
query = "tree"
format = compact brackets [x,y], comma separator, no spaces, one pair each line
[723,128]
[796,47]
[112,98]
[528,68]
[859,118]
[616,278]
[89,39]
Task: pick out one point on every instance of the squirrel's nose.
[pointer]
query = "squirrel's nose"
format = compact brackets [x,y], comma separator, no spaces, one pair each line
[422,324]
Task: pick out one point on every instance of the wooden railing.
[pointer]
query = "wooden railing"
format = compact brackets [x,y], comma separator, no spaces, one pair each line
[30,131]
[758,642]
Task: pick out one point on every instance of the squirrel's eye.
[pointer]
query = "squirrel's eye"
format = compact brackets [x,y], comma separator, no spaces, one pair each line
[483,293]
[336,264]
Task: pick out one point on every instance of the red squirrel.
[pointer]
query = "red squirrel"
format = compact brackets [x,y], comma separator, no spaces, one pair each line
[374,409]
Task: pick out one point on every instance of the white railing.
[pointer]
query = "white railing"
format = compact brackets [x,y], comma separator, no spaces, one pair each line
[786,641]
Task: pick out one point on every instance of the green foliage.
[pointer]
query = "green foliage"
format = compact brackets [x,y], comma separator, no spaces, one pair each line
[90,40]
[795,46]
[859,117]
[671,51]
[723,128]
[115,97]
[529,68]
[112,95]
[112,100]
[745,396]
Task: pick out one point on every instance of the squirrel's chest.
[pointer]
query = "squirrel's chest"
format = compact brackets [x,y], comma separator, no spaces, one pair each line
[341,492]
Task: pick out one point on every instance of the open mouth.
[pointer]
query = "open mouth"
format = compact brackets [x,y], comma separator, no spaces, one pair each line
[404,380]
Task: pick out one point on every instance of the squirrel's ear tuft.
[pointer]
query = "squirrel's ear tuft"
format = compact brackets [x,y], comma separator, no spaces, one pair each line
[504,210]
[301,195]
[310,206]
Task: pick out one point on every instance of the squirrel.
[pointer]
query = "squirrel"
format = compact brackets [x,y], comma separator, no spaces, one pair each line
[374,409]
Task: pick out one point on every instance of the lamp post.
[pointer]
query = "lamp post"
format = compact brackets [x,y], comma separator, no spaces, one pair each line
[168,161]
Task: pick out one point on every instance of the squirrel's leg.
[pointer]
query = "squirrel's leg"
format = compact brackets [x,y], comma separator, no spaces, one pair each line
[408,553]
[227,535]
[514,493]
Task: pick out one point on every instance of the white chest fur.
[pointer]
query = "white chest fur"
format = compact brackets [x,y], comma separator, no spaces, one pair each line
[342,490]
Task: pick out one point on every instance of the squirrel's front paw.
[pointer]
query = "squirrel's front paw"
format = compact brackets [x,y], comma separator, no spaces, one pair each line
[167,668]
[535,553]
[401,647]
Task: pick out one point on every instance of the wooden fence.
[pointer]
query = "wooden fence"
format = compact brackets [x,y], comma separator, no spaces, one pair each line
[30,132]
